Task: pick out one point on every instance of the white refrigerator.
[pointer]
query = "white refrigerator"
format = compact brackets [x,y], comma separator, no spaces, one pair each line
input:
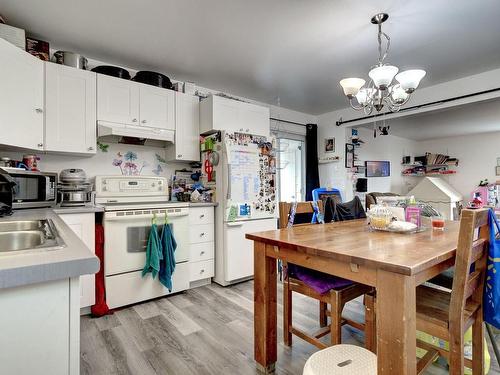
[245,179]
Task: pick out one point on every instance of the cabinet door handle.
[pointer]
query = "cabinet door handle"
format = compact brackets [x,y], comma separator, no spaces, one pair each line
[134,120]
[143,121]
[202,234]
[38,110]
[202,272]
[202,216]
[202,253]
[179,155]
[40,145]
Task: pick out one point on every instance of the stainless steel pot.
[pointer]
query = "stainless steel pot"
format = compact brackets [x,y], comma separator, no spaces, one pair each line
[71,59]
[74,198]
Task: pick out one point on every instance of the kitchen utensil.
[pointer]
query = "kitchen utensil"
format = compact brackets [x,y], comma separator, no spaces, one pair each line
[214,158]
[208,169]
[71,59]
[113,71]
[153,79]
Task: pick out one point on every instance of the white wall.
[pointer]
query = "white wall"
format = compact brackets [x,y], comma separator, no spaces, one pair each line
[388,148]
[477,154]
[334,174]
[102,163]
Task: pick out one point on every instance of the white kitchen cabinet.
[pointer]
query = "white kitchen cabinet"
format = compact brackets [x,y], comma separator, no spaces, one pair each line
[218,113]
[83,225]
[21,98]
[40,325]
[156,107]
[187,129]
[70,109]
[117,100]
[201,253]
[131,103]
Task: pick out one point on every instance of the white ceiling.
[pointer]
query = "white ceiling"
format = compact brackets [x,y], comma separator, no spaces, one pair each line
[480,117]
[262,49]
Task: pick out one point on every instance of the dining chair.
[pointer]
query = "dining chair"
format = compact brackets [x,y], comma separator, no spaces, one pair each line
[447,315]
[336,297]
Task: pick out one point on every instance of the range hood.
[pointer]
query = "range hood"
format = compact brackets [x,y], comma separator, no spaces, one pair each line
[139,135]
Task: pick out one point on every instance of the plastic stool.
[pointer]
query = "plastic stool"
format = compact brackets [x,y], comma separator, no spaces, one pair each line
[341,359]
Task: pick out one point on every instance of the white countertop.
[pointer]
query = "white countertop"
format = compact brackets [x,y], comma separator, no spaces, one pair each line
[73,260]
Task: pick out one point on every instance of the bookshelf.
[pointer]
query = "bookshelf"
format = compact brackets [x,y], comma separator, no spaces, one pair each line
[430,165]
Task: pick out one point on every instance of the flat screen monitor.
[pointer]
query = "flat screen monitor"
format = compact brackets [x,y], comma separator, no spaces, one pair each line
[378,168]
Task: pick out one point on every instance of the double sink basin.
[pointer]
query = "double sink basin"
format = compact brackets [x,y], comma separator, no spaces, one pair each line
[28,235]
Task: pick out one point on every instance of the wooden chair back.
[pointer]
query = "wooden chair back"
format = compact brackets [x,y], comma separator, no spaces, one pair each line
[302,208]
[471,250]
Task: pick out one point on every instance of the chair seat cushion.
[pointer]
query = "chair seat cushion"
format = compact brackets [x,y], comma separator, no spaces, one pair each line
[319,281]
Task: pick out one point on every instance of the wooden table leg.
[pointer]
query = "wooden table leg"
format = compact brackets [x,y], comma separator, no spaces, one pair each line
[265,309]
[396,324]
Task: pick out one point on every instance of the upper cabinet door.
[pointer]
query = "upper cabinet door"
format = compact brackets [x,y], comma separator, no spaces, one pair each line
[187,127]
[21,98]
[70,109]
[157,107]
[117,100]
[254,119]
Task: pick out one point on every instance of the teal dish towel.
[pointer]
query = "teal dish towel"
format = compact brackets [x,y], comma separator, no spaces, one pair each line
[153,253]
[167,263]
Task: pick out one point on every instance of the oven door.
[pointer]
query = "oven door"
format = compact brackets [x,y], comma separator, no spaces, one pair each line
[126,236]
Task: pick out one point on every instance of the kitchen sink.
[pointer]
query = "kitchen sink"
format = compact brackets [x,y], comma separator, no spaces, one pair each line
[28,235]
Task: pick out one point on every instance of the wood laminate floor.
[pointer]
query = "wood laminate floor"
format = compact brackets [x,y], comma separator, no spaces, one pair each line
[208,330]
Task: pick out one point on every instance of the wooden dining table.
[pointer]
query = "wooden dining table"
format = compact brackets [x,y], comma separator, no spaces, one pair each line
[393,263]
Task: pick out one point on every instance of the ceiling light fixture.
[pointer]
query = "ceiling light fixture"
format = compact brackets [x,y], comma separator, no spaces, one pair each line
[381,91]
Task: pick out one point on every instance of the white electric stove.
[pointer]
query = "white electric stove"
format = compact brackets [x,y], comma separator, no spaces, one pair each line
[130,204]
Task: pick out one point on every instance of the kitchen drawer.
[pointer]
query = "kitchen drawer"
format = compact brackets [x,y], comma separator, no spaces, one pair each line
[202,233]
[201,251]
[201,215]
[131,287]
[201,270]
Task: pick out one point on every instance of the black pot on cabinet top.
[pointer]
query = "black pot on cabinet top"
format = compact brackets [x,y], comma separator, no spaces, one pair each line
[153,79]
[113,71]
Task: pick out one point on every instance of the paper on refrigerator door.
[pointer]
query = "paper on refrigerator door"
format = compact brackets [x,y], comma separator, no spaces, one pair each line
[244,169]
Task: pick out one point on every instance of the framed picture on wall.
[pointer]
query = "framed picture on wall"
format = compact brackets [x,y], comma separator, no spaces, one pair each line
[329,145]
[349,155]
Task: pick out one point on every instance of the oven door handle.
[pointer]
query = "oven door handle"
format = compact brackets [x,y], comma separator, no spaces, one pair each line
[143,217]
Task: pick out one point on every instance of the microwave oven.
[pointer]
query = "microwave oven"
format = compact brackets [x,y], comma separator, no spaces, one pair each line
[33,189]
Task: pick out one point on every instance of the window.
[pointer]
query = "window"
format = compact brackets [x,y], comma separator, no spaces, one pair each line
[291,169]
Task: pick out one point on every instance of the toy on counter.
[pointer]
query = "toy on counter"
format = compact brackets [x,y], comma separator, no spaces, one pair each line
[477,201]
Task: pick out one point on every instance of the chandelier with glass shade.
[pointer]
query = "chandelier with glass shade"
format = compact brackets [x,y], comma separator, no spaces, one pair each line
[381,92]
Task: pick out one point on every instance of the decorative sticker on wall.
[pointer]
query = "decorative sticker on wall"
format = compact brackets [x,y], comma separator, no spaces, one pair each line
[129,164]
[160,161]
